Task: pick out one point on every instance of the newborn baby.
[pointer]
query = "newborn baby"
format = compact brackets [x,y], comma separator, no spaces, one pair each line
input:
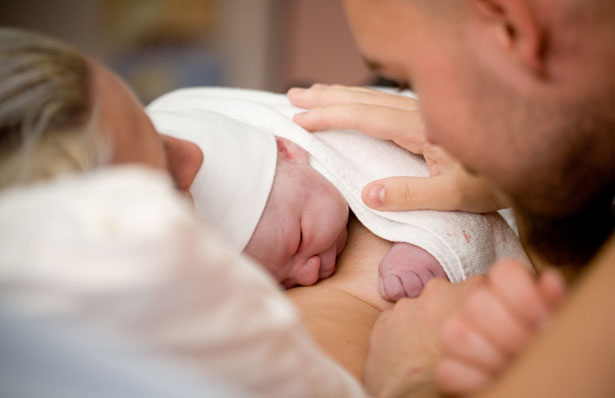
[303,229]
[282,195]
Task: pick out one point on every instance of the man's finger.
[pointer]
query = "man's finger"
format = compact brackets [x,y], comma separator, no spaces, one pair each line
[459,378]
[411,193]
[461,342]
[322,95]
[491,319]
[515,286]
[405,128]
[455,190]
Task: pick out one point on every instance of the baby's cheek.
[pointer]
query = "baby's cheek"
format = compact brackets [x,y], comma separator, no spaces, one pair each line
[265,256]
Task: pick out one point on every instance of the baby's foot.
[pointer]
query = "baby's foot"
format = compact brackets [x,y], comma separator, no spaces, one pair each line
[405,270]
[497,322]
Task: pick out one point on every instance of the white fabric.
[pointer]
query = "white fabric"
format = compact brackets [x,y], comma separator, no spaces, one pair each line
[119,250]
[465,244]
[231,188]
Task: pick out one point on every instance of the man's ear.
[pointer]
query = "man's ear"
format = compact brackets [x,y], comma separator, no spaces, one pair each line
[291,151]
[515,27]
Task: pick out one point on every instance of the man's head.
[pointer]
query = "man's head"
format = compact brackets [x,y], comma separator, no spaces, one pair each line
[522,92]
[61,112]
[303,226]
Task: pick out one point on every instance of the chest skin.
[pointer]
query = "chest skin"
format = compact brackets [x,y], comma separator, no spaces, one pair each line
[339,312]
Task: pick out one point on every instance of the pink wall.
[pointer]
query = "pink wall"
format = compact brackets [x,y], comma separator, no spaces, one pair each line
[316,46]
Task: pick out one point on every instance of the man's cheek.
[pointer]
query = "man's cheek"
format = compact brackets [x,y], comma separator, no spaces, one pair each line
[431,120]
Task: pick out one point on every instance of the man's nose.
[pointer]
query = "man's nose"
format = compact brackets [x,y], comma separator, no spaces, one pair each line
[184,160]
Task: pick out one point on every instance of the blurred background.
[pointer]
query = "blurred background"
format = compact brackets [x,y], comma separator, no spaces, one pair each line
[160,45]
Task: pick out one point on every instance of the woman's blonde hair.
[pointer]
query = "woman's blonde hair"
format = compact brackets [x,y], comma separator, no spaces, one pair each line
[47,111]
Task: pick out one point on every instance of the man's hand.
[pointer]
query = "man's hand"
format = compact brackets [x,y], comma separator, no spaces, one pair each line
[498,320]
[396,118]
[404,342]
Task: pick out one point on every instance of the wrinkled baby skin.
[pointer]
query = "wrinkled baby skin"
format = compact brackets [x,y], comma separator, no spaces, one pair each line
[303,226]
[405,271]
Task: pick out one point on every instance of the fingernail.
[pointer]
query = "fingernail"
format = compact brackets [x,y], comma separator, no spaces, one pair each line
[319,85]
[296,90]
[375,195]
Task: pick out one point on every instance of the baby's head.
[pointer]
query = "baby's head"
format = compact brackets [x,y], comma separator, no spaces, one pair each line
[303,226]
[260,193]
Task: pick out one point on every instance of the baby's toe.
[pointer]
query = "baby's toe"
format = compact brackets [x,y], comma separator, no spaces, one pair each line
[413,283]
[393,288]
[405,270]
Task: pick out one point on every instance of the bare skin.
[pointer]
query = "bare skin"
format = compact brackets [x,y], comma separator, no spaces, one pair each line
[339,312]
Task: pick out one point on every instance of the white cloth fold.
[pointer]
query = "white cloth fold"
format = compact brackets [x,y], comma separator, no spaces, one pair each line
[465,244]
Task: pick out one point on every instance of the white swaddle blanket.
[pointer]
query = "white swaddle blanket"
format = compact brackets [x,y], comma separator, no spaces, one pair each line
[465,244]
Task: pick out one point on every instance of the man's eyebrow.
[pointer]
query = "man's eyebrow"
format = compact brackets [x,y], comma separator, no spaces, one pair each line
[371,64]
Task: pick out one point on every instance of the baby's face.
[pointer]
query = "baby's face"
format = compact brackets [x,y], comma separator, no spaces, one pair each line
[303,226]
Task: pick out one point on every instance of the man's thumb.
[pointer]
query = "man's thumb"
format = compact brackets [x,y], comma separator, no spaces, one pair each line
[411,193]
[456,190]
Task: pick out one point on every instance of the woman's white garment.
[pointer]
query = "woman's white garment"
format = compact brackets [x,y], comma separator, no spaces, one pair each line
[119,250]
[465,244]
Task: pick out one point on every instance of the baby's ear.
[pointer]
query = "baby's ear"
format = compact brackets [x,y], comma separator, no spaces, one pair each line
[292,151]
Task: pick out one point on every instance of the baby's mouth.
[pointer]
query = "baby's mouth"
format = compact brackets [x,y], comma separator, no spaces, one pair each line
[326,271]
[287,284]
[329,259]
[328,263]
